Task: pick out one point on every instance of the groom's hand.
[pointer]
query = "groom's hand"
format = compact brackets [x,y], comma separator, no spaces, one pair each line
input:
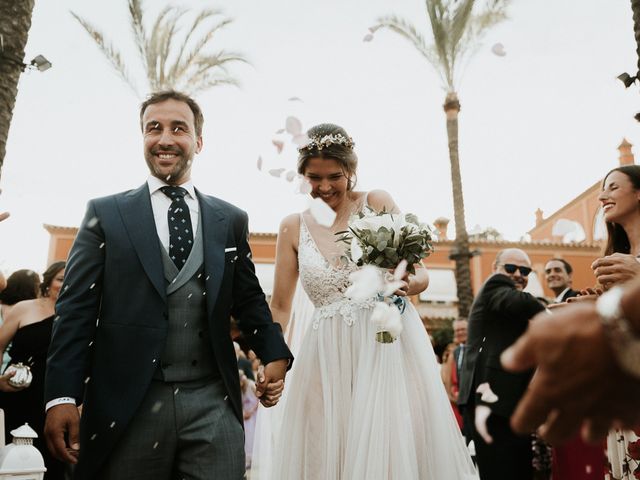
[271,382]
[62,420]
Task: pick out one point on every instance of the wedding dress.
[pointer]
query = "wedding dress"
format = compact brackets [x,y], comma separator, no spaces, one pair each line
[353,408]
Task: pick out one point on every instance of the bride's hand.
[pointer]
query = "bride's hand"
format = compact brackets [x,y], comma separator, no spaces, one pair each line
[5,386]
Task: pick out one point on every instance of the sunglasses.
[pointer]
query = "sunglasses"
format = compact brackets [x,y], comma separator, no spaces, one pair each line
[510,268]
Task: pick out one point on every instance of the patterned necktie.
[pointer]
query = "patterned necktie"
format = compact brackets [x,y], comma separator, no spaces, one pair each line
[180,231]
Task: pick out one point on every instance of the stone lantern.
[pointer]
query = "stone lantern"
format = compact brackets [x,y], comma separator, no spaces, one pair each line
[20,460]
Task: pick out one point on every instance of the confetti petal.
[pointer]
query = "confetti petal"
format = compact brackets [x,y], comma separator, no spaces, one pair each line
[290,175]
[260,163]
[367,38]
[293,126]
[301,140]
[482,415]
[279,144]
[305,186]
[295,99]
[321,212]
[280,130]
[276,172]
[498,49]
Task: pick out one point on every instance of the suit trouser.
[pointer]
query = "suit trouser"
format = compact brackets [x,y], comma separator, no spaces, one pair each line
[184,430]
[508,457]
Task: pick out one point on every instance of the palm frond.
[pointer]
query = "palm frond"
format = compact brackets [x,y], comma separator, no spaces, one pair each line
[212,82]
[139,34]
[200,18]
[440,27]
[152,47]
[458,26]
[186,61]
[109,51]
[170,30]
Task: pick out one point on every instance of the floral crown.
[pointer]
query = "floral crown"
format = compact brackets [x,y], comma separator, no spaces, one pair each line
[319,142]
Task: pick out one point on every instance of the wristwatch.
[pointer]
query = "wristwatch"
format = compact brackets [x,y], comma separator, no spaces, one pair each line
[624,340]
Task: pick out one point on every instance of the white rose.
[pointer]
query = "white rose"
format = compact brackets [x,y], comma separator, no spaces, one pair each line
[380,315]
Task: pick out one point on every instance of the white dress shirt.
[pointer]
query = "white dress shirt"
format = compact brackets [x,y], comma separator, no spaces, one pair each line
[160,205]
[559,297]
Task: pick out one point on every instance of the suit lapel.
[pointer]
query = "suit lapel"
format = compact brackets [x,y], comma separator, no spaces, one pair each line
[137,215]
[214,234]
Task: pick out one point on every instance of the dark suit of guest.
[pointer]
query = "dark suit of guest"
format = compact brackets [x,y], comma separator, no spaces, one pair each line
[147,346]
[499,315]
[570,293]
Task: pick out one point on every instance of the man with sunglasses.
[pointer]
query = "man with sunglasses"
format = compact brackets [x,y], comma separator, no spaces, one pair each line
[499,316]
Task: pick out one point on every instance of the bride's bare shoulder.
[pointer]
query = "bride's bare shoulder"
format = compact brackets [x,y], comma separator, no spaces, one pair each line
[290,226]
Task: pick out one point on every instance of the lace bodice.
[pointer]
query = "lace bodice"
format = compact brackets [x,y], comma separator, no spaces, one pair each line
[325,283]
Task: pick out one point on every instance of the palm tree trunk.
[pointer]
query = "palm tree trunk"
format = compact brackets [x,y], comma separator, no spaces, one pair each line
[460,252]
[15,22]
[635,7]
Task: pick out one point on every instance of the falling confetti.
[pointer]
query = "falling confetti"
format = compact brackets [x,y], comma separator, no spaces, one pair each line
[155,445]
[113,424]
[368,37]
[279,144]
[102,245]
[321,212]
[175,392]
[276,172]
[156,407]
[498,49]
[290,176]
[295,99]
[86,380]
[208,277]
[260,163]
[92,285]
[482,415]
[301,140]
[293,126]
[281,130]
[305,186]
[93,437]
[93,221]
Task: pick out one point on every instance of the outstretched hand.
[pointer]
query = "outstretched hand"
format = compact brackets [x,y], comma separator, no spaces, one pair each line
[4,216]
[270,384]
[577,385]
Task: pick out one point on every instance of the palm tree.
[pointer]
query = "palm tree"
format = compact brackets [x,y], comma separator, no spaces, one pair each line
[171,63]
[457,30]
[15,22]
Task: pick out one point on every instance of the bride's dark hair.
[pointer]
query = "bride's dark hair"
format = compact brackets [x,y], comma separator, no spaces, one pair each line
[338,147]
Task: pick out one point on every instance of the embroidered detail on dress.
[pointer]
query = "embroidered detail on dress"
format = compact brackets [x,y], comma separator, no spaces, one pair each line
[346,308]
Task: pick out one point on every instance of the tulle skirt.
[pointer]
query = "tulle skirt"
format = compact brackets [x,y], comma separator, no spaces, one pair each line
[358,409]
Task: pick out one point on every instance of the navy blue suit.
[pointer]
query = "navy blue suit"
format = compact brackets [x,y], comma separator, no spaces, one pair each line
[112,313]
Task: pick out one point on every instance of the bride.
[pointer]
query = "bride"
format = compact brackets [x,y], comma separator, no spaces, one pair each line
[354,408]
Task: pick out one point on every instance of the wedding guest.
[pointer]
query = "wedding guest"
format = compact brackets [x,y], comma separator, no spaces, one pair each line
[499,315]
[21,285]
[587,376]
[28,327]
[250,404]
[558,275]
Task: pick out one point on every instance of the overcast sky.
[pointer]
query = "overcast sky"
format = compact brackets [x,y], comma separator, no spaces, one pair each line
[537,126]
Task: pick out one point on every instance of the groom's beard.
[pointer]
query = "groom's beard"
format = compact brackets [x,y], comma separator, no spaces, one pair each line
[179,171]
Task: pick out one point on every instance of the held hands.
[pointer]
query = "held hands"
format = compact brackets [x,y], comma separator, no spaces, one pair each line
[577,385]
[615,269]
[63,420]
[270,382]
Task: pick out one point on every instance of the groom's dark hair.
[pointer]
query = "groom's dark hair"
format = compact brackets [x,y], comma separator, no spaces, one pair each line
[164,95]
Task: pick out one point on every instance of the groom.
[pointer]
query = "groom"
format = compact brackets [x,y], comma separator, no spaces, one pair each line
[141,337]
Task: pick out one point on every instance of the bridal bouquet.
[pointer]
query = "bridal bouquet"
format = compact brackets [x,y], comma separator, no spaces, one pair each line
[380,241]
